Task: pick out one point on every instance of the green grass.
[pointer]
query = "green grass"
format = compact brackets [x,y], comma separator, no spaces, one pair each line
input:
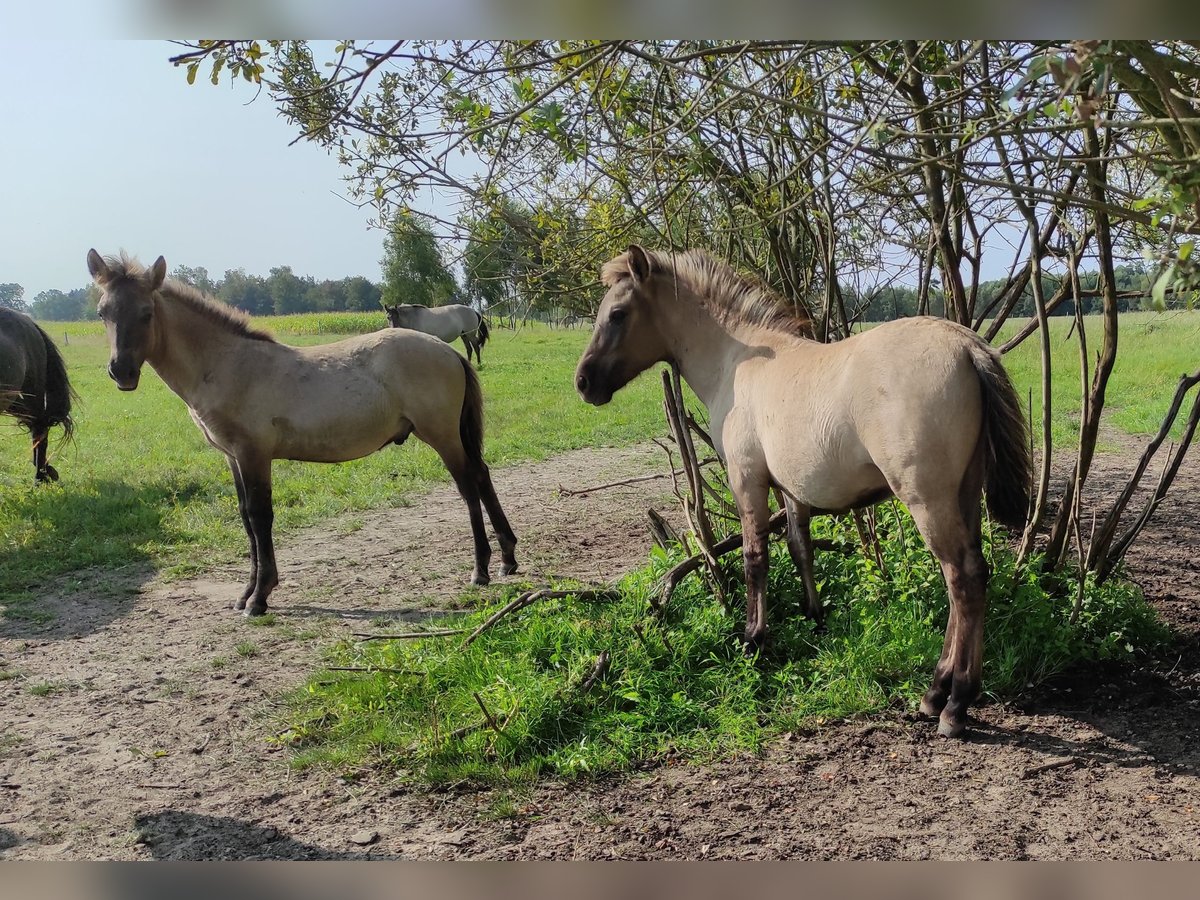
[142,489]
[1153,350]
[681,685]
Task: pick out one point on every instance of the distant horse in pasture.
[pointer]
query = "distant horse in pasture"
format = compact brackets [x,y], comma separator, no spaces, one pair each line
[257,400]
[34,388]
[918,408]
[446,322]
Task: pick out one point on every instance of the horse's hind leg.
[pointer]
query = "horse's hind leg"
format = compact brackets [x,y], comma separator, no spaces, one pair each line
[799,541]
[42,470]
[504,532]
[468,488]
[951,529]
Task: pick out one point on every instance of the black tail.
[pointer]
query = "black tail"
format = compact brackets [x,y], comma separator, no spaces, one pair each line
[59,393]
[1009,466]
[470,420]
[483,330]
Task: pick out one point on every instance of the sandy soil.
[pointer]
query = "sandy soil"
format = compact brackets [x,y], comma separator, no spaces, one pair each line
[135,725]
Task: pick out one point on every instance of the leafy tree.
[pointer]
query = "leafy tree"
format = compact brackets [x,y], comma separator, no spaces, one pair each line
[10,297]
[288,291]
[197,277]
[413,269]
[55,305]
[246,292]
[361,294]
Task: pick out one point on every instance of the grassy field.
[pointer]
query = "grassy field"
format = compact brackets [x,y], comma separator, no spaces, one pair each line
[141,487]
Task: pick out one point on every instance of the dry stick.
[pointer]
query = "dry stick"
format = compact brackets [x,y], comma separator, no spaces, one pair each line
[1089,427]
[673,406]
[567,492]
[415,674]
[459,733]
[406,636]
[1160,492]
[1103,540]
[597,672]
[1047,767]
[530,597]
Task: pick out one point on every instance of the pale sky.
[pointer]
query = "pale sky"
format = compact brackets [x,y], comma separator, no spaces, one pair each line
[106,145]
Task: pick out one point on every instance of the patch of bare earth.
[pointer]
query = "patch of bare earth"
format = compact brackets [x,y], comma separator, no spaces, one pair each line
[136,724]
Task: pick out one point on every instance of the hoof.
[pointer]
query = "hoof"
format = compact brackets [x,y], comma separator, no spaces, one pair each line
[46,475]
[753,643]
[509,568]
[239,603]
[255,609]
[951,728]
[480,578]
[931,706]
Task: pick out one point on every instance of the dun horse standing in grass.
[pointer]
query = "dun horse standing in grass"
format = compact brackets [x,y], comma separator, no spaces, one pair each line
[34,388]
[446,322]
[257,400]
[917,408]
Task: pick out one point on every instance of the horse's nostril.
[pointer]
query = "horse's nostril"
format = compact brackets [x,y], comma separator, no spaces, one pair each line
[581,382]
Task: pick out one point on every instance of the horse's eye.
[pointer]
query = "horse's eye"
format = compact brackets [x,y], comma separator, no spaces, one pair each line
[147,316]
[617,314]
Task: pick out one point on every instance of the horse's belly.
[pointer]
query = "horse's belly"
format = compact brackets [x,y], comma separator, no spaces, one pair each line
[337,440]
[833,482]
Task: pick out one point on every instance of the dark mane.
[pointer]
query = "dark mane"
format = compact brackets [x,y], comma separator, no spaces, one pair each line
[125,269]
[734,298]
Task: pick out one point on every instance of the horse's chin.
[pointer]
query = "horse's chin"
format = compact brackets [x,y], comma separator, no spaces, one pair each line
[128,385]
[596,398]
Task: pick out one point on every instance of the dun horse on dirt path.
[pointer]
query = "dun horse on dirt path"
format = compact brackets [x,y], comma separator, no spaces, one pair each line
[257,400]
[917,408]
[33,385]
[446,322]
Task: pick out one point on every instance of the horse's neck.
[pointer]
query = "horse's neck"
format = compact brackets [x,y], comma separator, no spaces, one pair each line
[705,350]
[190,347]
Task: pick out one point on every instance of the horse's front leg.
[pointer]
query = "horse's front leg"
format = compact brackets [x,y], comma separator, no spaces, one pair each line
[750,494]
[240,603]
[259,517]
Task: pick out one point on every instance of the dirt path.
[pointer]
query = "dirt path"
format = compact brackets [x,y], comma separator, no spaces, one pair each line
[134,726]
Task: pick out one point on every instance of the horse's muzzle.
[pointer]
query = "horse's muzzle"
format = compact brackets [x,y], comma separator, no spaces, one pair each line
[591,392]
[126,377]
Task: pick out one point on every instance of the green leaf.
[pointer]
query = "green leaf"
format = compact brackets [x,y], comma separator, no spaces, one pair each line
[191,72]
[1185,250]
[1158,293]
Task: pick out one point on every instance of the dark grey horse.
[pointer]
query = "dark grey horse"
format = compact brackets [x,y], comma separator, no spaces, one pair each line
[33,385]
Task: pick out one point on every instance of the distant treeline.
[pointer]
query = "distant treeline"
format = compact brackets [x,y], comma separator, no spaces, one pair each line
[279,293]
[897,301]
[282,292]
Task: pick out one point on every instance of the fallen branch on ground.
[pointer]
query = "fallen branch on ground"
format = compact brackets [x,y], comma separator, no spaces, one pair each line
[530,597]
[407,635]
[375,669]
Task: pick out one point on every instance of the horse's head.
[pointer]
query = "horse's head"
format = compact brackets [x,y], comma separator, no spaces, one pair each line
[127,306]
[626,340]
[395,315]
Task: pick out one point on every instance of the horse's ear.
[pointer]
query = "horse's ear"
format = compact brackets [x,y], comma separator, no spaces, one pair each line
[158,272]
[639,264]
[97,267]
